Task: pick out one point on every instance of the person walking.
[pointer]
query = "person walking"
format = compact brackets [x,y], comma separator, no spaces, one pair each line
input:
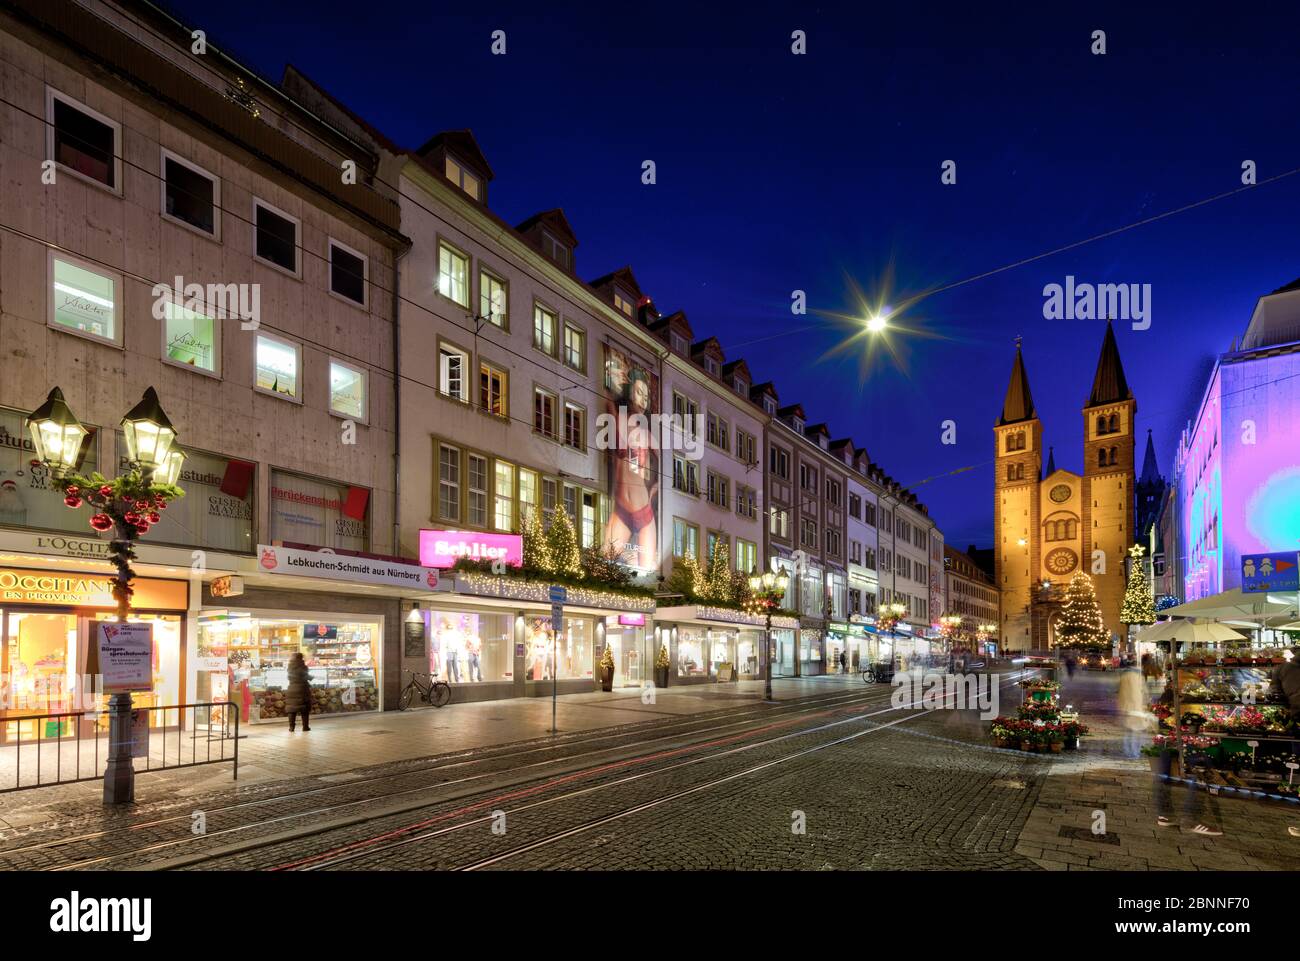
[297,697]
[844,663]
[1133,709]
[1286,681]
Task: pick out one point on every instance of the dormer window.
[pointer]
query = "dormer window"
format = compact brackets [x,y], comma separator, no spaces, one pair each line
[463,179]
[798,424]
[821,439]
[740,387]
[711,366]
[679,343]
[555,250]
[624,303]
[769,405]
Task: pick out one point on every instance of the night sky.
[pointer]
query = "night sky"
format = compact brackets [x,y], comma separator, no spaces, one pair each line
[817,172]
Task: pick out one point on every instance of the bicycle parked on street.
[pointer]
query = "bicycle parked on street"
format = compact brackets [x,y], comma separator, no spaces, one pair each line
[431,691]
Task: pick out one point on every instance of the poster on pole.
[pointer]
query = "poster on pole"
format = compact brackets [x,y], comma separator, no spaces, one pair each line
[140,733]
[125,656]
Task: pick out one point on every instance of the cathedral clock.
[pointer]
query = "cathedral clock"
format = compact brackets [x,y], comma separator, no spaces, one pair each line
[1060,493]
[1061,561]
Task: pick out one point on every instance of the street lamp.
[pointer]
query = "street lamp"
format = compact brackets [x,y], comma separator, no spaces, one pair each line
[129,505]
[767,589]
[888,617]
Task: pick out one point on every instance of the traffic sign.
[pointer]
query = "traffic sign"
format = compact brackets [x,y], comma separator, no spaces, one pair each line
[1261,573]
[559,594]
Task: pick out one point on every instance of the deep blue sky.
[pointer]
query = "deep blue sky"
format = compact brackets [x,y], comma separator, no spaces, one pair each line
[778,172]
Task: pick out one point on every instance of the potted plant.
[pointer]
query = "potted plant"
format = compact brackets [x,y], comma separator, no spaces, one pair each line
[661,666]
[1193,720]
[1055,740]
[607,669]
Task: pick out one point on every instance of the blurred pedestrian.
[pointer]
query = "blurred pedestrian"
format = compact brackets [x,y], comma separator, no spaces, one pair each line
[297,697]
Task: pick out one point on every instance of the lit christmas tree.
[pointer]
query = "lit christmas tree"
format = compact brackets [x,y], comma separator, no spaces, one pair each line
[717,580]
[1139,604]
[566,556]
[537,550]
[1081,624]
[687,578]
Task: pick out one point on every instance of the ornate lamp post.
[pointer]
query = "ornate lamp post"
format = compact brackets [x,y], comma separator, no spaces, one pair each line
[984,632]
[128,505]
[950,628]
[767,589]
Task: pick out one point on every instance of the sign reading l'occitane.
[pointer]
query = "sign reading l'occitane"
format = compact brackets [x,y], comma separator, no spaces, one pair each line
[76,589]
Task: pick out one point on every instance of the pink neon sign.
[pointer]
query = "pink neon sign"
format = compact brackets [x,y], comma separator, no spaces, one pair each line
[444,548]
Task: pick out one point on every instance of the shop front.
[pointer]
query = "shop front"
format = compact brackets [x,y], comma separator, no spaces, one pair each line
[48,623]
[711,644]
[853,641]
[493,637]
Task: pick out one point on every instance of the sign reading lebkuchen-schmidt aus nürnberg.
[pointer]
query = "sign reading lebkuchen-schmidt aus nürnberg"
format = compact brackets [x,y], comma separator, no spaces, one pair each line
[1270,572]
[126,656]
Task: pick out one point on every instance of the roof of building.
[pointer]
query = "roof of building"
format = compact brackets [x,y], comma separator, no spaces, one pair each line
[554,219]
[1051,462]
[1150,472]
[463,144]
[1109,385]
[1019,403]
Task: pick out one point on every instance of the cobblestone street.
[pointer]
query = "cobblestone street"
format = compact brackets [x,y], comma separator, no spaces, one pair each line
[829,777]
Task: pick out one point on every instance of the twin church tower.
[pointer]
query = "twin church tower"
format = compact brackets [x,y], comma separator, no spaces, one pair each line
[1048,522]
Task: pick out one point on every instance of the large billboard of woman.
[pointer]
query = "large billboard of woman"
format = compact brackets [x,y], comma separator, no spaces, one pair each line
[631,393]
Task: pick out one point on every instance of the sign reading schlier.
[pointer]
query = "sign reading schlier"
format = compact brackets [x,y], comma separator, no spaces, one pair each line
[444,548]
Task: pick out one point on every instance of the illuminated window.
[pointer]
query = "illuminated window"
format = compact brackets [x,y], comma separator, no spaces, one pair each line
[462,178]
[448,483]
[347,391]
[544,330]
[504,515]
[453,274]
[575,347]
[84,300]
[452,369]
[493,299]
[478,490]
[492,390]
[277,365]
[543,412]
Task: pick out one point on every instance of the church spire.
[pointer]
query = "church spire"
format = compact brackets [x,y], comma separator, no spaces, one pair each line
[1109,385]
[1019,404]
[1051,462]
[1150,472]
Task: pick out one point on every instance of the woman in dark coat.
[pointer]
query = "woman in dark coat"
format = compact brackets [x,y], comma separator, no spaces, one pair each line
[297,698]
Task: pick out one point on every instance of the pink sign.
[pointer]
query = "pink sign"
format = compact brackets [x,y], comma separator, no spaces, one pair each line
[632,620]
[444,548]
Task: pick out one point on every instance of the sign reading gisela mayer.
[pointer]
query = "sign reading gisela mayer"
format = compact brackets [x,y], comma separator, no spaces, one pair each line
[444,548]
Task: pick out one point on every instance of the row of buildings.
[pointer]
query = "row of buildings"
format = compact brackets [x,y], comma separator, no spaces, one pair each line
[355,348]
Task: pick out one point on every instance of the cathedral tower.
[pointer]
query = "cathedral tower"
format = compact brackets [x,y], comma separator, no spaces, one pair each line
[1109,456]
[1018,437]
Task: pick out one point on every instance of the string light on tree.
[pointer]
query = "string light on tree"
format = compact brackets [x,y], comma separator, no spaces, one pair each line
[1081,622]
[1139,603]
[566,556]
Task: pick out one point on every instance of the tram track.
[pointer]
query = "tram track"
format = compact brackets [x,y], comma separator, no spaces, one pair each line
[380,845]
[694,727]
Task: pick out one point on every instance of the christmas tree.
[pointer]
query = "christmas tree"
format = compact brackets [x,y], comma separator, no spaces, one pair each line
[1139,604]
[1081,624]
[566,556]
[717,579]
[687,578]
[537,551]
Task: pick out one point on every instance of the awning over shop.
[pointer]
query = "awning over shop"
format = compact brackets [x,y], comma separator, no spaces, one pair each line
[1238,605]
[705,614]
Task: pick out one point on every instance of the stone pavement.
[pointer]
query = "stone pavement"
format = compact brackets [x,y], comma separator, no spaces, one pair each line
[1058,833]
[268,752]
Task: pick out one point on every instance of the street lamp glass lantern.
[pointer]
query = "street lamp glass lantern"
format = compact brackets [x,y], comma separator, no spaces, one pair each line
[56,433]
[755,581]
[149,434]
[171,472]
[782,581]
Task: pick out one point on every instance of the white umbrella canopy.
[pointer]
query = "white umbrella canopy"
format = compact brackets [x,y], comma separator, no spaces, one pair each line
[1236,605]
[1190,632]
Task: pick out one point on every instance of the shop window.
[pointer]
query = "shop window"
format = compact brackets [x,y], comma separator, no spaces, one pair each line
[217,510]
[190,339]
[191,194]
[469,647]
[278,363]
[83,141]
[573,647]
[692,660]
[276,240]
[453,274]
[348,272]
[84,299]
[246,659]
[323,513]
[347,391]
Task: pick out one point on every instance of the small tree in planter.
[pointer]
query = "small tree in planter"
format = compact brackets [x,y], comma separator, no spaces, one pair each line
[607,669]
[661,666]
